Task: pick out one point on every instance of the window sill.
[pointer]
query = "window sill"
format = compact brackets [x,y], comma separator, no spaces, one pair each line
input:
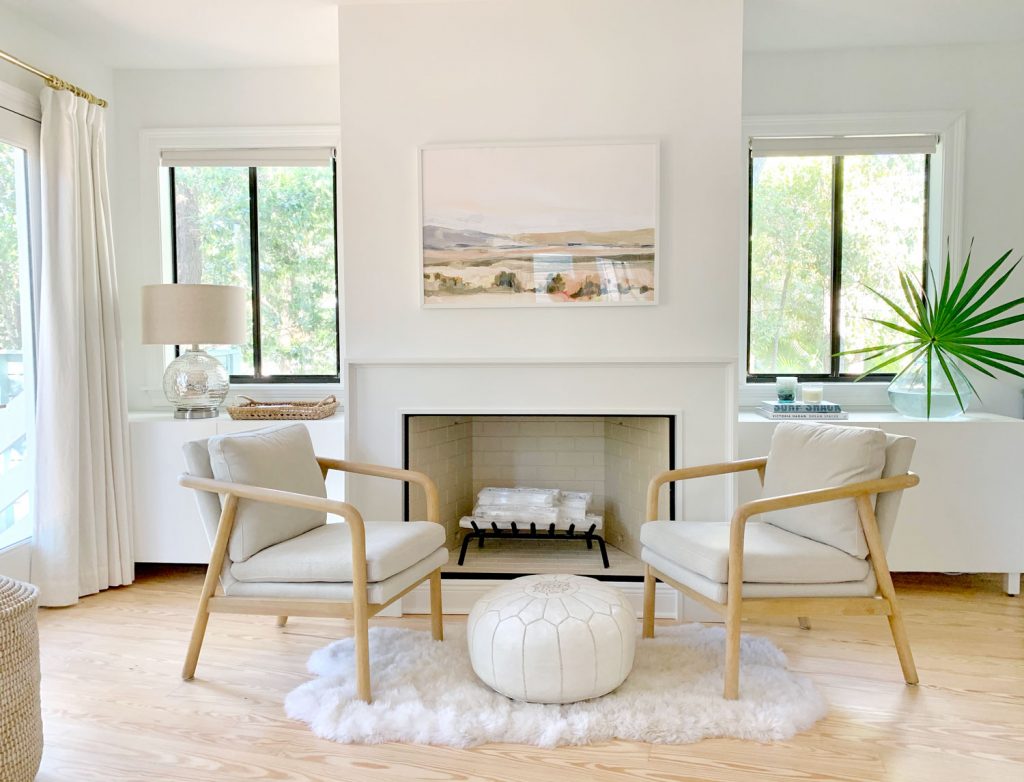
[890,416]
[271,392]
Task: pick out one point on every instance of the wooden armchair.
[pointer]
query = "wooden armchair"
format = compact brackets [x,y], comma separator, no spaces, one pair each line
[780,572]
[351,570]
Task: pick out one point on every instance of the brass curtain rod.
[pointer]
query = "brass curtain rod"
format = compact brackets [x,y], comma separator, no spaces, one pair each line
[53,81]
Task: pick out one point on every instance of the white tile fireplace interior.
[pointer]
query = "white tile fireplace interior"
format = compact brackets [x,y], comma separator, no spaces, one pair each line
[610,457]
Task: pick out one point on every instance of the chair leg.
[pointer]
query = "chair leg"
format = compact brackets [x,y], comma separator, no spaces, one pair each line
[804,622]
[436,613]
[282,621]
[649,587]
[196,641]
[361,628]
[899,638]
[886,587]
[732,650]
[217,554]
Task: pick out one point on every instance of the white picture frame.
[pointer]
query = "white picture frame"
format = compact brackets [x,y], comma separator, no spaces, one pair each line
[539,224]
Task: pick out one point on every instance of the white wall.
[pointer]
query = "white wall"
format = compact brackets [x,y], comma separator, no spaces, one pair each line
[414,74]
[50,53]
[987,82]
[150,99]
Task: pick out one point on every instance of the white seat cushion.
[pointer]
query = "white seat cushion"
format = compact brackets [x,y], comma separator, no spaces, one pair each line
[378,592]
[719,592]
[808,456]
[325,553]
[770,555]
[277,457]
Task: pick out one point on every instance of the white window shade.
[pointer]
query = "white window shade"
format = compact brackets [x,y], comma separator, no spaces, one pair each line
[277,156]
[925,144]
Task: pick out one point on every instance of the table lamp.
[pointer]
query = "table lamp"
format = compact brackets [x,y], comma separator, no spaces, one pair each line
[195,383]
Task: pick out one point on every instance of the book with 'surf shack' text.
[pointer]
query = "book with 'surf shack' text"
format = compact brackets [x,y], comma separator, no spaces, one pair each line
[801,407]
[792,416]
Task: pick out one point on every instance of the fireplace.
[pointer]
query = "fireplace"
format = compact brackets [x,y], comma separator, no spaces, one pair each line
[609,457]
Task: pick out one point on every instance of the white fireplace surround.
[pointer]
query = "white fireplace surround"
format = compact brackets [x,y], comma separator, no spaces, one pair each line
[699,393]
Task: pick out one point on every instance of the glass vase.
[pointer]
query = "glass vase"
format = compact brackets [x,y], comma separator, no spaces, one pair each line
[908,393]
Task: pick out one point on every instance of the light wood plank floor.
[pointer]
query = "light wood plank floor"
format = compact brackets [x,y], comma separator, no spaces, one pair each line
[116,710]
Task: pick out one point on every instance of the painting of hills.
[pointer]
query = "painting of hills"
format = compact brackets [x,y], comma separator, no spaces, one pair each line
[535,225]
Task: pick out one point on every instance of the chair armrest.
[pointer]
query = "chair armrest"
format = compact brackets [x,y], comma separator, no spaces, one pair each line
[701,471]
[850,490]
[290,499]
[738,524]
[381,471]
[273,496]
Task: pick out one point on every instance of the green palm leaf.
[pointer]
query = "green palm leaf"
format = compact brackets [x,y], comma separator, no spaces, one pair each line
[990,326]
[944,322]
[883,348]
[979,284]
[949,377]
[989,314]
[890,362]
[895,308]
[969,311]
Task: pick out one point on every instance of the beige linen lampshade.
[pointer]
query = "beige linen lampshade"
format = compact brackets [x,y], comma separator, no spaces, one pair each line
[178,314]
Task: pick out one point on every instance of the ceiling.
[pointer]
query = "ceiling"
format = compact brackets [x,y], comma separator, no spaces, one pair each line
[191,33]
[779,25]
[281,33]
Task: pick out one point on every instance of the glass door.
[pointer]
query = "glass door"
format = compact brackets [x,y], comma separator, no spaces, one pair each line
[19,198]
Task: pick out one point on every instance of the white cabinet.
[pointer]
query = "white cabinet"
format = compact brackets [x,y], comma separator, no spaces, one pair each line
[966,515]
[166,521]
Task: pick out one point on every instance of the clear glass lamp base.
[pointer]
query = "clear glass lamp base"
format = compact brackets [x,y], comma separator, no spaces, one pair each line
[196,384]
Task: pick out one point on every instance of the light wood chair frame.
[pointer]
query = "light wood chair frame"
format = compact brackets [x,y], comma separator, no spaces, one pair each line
[736,608]
[359,610]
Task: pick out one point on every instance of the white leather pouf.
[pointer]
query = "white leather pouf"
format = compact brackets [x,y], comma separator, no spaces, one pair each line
[552,638]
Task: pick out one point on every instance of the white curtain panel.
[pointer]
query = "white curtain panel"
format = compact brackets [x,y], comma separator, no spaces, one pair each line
[83,541]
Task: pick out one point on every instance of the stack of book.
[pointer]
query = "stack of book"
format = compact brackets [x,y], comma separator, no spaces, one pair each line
[774,410]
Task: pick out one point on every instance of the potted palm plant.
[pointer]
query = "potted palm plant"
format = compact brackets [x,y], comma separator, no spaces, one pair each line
[938,330]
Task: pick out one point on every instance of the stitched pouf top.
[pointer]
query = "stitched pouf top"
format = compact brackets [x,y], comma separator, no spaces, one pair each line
[552,638]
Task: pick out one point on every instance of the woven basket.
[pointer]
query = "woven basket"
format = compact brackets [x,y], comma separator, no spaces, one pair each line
[251,410]
[21,724]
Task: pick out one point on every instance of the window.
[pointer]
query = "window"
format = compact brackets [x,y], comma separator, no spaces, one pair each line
[19,138]
[830,218]
[263,220]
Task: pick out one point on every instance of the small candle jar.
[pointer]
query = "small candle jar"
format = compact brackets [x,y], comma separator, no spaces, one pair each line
[812,394]
[785,388]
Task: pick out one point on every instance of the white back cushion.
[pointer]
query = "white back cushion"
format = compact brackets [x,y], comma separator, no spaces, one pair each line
[899,451]
[807,456]
[278,457]
[197,459]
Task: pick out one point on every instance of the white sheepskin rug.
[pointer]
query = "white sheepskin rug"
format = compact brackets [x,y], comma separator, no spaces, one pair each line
[425,692]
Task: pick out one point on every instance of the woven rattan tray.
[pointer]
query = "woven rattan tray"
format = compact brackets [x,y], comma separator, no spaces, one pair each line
[252,410]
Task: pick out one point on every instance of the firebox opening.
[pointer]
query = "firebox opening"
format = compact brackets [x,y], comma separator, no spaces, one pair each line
[609,459]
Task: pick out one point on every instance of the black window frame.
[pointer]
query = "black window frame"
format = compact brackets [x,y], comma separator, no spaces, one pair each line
[254,277]
[834,375]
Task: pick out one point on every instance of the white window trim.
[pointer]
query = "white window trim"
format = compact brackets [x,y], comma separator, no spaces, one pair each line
[16,543]
[155,231]
[950,127]
[20,102]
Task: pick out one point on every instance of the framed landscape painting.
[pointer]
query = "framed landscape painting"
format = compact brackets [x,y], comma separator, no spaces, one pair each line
[539,224]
